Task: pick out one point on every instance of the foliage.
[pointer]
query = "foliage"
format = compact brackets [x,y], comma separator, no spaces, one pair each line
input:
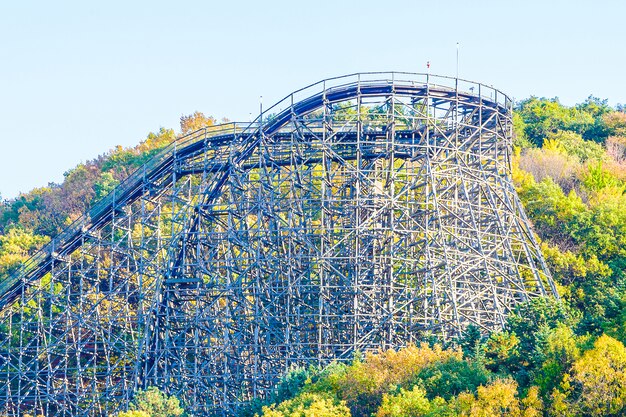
[502,351]
[31,219]
[452,377]
[595,106]
[601,375]
[436,382]
[16,246]
[411,403]
[288,387]
[543,116]
[362,384]
[520,139]
[596,178]
[133,413]
[153,403]
[550,163]
[573,144]
[308,405]
[556,349]
[615,123]
[582,222]
[470,341]
[616,148]
[104,185]
[195,121]
[496,399]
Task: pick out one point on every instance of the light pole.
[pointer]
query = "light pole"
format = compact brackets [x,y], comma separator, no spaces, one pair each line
[457,60]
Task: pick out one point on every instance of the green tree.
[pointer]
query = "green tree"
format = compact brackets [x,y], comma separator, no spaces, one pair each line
[16,245]
[470,340]
[502,352]
[153,403]
[529,323]
[557,349]
[574,145]
[597,108]
[133,413]
[543,116]
[597,178]
[105,184]
[411,403]
[452,377]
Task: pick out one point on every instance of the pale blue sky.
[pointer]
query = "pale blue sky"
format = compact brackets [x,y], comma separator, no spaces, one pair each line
[79,77]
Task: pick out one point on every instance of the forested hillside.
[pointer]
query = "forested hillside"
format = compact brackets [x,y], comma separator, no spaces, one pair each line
[30,220]
[556,359]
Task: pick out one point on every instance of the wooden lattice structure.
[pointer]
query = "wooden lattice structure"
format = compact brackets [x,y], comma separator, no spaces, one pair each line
[359,213]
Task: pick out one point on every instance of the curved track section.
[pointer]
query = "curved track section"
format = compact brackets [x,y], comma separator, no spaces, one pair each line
[359,213]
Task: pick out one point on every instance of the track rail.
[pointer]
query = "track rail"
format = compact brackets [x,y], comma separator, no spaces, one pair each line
[333,90]
[361,212]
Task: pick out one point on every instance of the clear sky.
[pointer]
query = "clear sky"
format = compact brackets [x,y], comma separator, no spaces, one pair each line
[79,77]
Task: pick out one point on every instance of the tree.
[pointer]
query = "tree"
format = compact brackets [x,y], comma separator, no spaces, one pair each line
[551,163]
[573,144]
[601,376]
[556,349]
[502,351]
[133,413]
[496,399]
[529,323]
[16,246]
[597,178]
[452,377]
[363,384]
[616,148]
[543,116]
[470,340]
[105,184]
[520,139]
[594,106]
[195,121]
[153,403]
[308,405]
[615,123]
[412,403]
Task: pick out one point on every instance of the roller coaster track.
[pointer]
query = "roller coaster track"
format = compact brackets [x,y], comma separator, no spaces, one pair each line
[445,139]
[161,165]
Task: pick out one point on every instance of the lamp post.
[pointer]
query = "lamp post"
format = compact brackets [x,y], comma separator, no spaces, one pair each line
[457,60]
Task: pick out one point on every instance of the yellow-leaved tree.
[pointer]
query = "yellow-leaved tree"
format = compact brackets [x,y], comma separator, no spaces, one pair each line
[308,405]
[153,403]
[498,399]
[601,376]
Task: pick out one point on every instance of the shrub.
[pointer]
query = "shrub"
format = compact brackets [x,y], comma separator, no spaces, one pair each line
[308,405]
[153,403]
